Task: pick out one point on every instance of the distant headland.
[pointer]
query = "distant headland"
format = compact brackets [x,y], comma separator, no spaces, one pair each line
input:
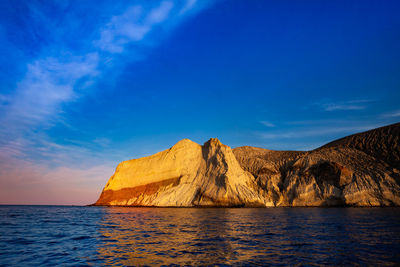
[358,170]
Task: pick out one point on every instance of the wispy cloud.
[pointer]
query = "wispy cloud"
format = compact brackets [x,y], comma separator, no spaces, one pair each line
[321,122]
[393,114]
[267,124]
[357,104]
[131,26]
[311,133]
[333,107]
[188,6]
[315,131]
[47,84]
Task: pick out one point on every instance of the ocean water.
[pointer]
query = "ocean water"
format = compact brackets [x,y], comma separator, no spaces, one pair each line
[85,236]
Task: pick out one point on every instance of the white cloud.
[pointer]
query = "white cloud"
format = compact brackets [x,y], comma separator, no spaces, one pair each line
[321,122]
[356,104]
[121,30]
[316,131]
[393,114]
[131,26]
[334,107]
[48,83]
[159,14]
[267,124]
[189,5]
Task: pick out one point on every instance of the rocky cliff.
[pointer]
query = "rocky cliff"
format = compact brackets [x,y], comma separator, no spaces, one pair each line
[185,175]
[358,170]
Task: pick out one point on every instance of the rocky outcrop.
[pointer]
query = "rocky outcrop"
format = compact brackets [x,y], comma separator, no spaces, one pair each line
[359,170]
[185,175]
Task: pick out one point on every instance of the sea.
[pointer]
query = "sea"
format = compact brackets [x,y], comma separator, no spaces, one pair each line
[124,236]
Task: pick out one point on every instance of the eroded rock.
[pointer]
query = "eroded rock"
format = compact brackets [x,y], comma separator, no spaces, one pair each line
[359,170]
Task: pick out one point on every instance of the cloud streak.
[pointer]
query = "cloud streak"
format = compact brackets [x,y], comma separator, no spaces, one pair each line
[48,83]
[393,114]
[334,107]
[316,131]
[131,26]
[267,124]
[357,104]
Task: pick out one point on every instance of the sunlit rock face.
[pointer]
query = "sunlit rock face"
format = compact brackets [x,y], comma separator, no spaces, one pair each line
[185,175]
[359,170]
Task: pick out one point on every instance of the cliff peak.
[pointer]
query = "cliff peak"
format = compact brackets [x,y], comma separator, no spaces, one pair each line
[185,144]
[213,142]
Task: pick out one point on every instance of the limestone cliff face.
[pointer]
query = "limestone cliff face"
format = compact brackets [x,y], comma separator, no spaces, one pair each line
[359,170]
[185,175]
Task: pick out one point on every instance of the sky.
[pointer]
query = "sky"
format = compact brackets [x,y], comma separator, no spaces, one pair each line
[85,85]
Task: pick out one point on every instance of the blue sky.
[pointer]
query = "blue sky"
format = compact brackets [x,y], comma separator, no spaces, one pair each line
[87,84]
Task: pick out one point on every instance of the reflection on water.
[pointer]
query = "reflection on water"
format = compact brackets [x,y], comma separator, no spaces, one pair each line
[71,236]
[151,236]
[170,236]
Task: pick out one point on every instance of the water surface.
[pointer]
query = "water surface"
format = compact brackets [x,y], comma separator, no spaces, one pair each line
[59,235]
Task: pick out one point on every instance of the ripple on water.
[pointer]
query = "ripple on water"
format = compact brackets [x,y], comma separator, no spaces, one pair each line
[82,237]
[48,236]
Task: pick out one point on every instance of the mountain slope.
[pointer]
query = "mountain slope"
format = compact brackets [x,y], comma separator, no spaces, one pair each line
[382,143]
[358,170]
